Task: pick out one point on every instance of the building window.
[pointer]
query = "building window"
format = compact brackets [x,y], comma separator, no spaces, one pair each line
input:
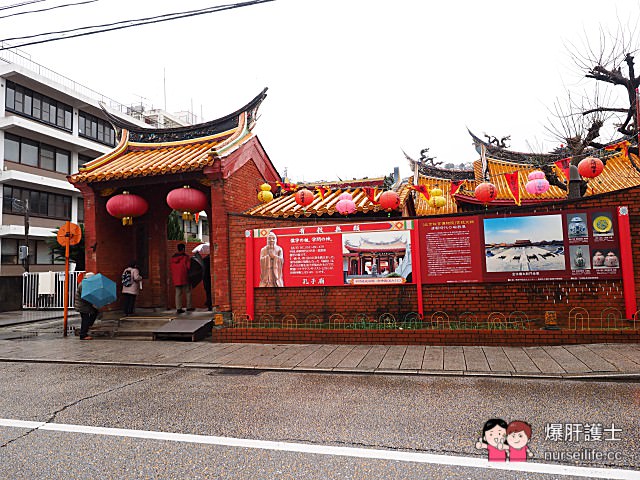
[34,154]
[9,254]
[82,160]
[26,102]
[39,252]
[96,129]
[81,210]
[41,204]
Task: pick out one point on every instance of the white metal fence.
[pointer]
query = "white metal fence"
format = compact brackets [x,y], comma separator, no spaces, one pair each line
[45,290]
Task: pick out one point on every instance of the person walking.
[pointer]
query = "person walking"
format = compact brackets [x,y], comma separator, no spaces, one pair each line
[131,286]
[180,263]
[88,313]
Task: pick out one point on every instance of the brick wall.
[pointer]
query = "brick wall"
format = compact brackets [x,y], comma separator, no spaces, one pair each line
[533,298]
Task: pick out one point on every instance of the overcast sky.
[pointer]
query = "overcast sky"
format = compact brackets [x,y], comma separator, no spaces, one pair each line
[351,83]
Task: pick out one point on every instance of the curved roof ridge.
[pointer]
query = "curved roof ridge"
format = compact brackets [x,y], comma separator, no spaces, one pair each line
[152,135]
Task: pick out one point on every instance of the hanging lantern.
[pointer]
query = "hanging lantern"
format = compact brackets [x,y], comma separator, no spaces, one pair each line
[126,206]
[590,167]
[436,199]
[345,204]
[389,201]
[537,186]
[304,197]
[486,192]
[436,192]
[265,195]
[187,200]
[536,174]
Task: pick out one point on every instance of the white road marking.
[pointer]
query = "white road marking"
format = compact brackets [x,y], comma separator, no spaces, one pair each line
[399,456]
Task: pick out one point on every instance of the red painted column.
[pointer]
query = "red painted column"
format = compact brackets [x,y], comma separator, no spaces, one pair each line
[416,271]
[626,262]
[248,246]
[219,241]
[90,227]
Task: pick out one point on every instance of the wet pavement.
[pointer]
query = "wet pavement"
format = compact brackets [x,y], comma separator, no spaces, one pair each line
[37,337]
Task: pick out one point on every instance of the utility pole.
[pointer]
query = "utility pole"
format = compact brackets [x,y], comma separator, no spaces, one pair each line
[24,250]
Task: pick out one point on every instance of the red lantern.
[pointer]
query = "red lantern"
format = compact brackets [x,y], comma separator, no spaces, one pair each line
[486,192]
[304,197]
[389,201]
[126,206]
[187,200]
[590,167]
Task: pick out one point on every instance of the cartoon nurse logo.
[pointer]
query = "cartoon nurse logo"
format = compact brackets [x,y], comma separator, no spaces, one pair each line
[504,441]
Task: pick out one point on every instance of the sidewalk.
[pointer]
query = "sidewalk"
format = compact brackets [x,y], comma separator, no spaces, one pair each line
[594,361]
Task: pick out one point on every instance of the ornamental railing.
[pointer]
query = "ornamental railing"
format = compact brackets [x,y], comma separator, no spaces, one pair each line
[579,319]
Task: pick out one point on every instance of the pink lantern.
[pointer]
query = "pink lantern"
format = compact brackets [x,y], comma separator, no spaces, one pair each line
[537,186]
[345,204]
[536,174]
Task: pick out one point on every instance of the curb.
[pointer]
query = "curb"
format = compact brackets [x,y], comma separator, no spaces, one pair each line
[601,376]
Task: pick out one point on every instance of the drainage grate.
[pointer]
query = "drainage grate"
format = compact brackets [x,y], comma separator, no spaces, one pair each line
[235,371]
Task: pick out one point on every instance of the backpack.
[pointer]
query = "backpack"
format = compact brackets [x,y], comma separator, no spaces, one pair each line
[126,278]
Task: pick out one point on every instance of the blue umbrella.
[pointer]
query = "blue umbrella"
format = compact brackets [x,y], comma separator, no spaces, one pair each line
[99,290]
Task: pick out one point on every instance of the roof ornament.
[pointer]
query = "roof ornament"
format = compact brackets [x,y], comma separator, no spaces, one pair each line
[502,143]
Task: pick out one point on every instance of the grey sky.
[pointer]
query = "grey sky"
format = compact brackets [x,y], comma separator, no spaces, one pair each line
[351,83]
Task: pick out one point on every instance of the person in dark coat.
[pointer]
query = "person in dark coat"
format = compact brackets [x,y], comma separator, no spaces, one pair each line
[180,263]
[88,313]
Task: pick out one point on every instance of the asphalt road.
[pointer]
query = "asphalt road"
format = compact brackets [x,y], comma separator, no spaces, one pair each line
[311,412]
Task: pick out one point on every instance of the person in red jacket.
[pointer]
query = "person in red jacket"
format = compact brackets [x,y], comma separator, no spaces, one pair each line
[180,263]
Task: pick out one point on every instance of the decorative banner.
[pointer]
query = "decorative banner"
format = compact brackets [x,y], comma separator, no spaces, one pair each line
[455,186]
[624,146]
[333,255]
[578,245]
[371,193]
[287,187]
[514,186]
[322,191]
[422,189]
[564,165]
[452,250]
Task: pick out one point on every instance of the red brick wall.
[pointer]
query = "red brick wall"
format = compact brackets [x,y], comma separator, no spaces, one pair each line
[424,337]
[533,298]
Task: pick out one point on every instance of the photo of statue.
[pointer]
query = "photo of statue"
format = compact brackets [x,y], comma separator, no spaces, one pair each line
[271,263]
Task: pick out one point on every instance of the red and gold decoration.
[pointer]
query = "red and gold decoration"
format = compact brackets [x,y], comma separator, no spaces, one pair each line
[563,165]
[590,167]
[389,200]
[422,190]
[371,193]
[514,186]
[187,200]
[265,195]
[322,191]
[436,198]
[486,192]
[126,206]
[537,184]
[624,146]
[346,205]
[455,186]
[287,187]
[304,197]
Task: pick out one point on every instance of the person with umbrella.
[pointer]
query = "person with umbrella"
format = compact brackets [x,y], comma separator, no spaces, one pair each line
[88,313]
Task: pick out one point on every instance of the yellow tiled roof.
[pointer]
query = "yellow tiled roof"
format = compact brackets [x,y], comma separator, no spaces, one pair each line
[286,206]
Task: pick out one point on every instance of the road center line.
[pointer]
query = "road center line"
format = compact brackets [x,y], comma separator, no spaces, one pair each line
[399,456]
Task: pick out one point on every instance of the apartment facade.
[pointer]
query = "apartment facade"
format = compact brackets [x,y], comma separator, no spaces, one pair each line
[49,127]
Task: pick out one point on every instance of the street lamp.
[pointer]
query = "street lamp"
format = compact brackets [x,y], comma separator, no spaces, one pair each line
[23,206]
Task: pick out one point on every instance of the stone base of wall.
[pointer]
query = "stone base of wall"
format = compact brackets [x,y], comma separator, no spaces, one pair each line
[426,337]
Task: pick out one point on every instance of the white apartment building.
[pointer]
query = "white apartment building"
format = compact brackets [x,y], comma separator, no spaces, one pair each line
[49,127]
